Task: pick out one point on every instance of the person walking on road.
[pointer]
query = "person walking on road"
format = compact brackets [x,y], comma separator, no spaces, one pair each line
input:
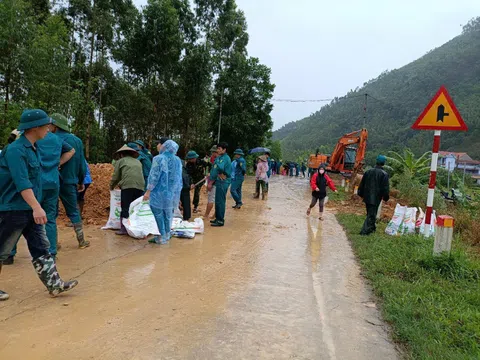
[261,177]
[54,153]
[20,209]
[164,187]
[128,176]
[239,169]
[196,170]
[303,169]
[222,175]
[72,175]
[319,182]
[374,187]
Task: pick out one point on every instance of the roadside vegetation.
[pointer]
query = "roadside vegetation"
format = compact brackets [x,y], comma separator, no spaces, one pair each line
[432,303]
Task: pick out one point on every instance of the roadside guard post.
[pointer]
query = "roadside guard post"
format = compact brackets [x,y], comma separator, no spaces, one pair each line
[443,235]
[440,114]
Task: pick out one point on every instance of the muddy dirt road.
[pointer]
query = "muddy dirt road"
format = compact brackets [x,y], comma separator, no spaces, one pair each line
[271,284]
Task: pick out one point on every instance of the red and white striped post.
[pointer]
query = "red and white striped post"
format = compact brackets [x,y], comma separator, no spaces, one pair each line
[432,183]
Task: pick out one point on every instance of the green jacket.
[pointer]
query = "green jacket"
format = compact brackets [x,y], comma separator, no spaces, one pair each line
[222,165]
[50,150]
[20,170]
[73,172]
[374,187]
[128,174]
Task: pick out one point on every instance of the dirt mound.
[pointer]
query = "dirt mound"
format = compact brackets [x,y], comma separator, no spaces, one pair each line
[97,197]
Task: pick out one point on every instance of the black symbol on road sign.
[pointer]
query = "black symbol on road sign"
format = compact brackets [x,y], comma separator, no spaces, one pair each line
[441,113]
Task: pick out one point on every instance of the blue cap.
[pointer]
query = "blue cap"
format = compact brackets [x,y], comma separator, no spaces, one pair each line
[381,160]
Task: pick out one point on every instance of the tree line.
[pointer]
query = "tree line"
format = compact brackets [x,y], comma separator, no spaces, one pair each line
[172,68]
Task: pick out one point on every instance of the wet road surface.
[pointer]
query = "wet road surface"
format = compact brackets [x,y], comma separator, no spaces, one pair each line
[271,284]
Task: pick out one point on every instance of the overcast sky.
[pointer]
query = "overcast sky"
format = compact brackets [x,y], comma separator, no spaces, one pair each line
[322,49]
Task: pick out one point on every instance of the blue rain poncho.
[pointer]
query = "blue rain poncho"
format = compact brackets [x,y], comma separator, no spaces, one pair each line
[165,180]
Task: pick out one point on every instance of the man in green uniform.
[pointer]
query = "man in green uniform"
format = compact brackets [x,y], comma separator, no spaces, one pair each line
[196,170]
[20,210]
[144,159]
[72,175]
[53,153]
[144,150]
[239,169]
[222,175]
[374,187]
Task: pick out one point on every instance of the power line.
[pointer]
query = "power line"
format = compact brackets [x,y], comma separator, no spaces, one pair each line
[318,100]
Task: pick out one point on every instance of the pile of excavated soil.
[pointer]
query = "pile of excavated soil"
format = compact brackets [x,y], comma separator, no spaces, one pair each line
[97,197]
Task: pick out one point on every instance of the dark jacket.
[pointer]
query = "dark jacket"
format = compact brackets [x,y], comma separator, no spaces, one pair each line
[196,170]
[374,187]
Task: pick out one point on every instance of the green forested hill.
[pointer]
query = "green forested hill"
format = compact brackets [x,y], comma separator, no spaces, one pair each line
[396,99]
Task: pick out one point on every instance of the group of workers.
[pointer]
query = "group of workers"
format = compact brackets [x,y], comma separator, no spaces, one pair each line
[43,162]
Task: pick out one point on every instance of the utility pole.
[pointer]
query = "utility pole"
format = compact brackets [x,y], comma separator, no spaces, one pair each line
[365,111]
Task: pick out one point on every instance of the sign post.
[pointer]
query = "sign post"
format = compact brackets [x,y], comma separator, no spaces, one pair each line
[440,114]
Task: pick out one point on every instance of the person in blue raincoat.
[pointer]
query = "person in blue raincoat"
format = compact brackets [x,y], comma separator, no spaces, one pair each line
[222,175]
[144,158]
[239,169]
[164,187]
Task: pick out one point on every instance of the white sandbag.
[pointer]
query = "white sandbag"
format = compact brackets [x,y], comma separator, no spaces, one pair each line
[141,221]
[115,210]
[397,220]
[408,224]
[421,216]
[432,227]
[184,234]
[196,226]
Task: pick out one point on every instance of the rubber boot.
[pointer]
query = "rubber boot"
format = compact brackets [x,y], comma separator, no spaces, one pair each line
[46,270]
[265,196]
[256,195]
[122,230]
[3,294]
[82,243]
[80,207]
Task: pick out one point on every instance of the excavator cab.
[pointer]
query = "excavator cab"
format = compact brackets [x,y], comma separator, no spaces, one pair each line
[349,158]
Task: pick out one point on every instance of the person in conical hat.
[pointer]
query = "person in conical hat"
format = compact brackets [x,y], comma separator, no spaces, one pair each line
[128,176]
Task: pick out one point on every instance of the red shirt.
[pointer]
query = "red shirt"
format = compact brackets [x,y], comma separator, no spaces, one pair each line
[313,182]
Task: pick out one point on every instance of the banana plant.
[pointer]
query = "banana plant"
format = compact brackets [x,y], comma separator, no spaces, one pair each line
[408,164]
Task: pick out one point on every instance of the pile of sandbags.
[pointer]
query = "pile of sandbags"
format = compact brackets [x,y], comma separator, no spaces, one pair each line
[405,221]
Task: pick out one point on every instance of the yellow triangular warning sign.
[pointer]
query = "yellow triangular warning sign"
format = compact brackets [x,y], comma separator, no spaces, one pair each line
[440,114]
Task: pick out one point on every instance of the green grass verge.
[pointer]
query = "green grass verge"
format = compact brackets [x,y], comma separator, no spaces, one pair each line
[433,304]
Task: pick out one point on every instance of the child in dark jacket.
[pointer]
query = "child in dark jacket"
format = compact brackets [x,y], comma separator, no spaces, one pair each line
[319,182]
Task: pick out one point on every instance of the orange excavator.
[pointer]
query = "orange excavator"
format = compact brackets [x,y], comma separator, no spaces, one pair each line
[348,156]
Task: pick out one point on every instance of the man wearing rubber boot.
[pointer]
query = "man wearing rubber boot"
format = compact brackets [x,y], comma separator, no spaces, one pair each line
[20,211]
[53,153]
[72,175]
[196,170]
[239,169]
[374,187]
[222,175]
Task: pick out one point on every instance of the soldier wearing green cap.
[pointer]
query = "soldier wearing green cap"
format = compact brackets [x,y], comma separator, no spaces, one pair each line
[20,209]
[144,150]
[222,175]
[196,170]
[374,187]
[54,153]
[72,175]
[239,169]
[144,159]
